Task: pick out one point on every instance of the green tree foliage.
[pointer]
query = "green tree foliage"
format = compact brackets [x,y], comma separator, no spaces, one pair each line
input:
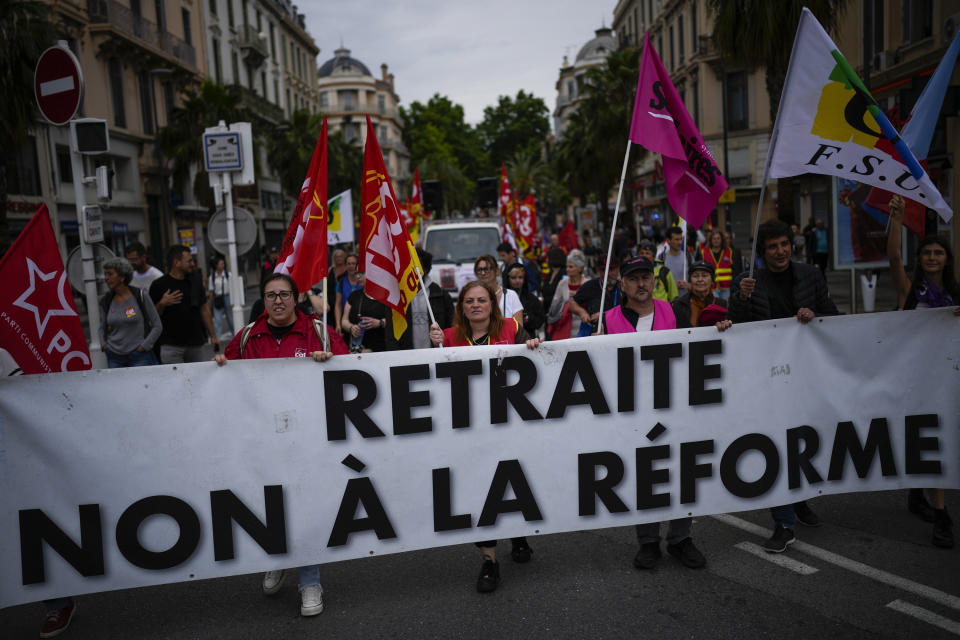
[752,33]
[180,139]
[513,126]
[589,156]
[26,29]
[290,149]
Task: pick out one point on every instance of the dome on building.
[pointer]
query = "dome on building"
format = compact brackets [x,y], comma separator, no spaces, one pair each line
[600,47]
[342,63]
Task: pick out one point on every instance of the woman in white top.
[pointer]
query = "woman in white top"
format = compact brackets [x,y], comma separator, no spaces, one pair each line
[218,288]
[486,270]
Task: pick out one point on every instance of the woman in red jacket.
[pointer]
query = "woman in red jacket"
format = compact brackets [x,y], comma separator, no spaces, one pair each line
[478,321]
[282,331]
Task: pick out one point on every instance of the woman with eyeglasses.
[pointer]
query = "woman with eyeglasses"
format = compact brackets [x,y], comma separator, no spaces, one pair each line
[478,322]
[485,268]
[282,331]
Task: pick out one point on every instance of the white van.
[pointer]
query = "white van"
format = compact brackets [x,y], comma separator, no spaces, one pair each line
[455,246]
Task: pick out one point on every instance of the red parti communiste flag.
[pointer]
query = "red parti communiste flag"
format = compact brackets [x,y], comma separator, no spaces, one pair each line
[387,255]
[40,331]
[304,253]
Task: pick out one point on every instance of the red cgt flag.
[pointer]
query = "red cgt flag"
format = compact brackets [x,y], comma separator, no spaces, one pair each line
[304,253]
[525,226]
[387,256]
[40,331]
[416,197]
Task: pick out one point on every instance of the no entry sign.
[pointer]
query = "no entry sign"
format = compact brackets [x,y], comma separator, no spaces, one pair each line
[58,85]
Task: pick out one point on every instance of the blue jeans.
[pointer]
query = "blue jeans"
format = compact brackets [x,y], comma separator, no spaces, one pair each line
[221,315]
[309,576]
[677,530]
[132,359]
[784,516]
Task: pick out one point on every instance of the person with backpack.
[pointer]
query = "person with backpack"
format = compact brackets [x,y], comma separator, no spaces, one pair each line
[129,323]
[283,331]
[665,284]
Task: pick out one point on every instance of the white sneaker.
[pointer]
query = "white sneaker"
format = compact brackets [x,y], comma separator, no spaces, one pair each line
[272,581]
[311,600]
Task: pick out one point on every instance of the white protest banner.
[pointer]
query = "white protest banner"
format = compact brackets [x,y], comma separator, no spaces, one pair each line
[340,218]
[113,479]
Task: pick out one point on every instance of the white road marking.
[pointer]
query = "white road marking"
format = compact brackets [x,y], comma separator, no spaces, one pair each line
[59,85]
[865,570]
[925,615]
[778,559]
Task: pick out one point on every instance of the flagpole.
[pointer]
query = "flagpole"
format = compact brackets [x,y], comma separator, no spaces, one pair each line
[326,330]
[773,141]
[423,288]
[683,223]
[613,229]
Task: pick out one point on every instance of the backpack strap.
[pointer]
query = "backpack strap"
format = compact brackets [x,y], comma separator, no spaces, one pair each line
[245,335]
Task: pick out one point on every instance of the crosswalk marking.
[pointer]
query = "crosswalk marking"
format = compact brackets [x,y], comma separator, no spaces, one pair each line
[926,615]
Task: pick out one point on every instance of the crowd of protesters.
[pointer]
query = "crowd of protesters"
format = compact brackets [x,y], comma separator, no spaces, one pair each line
[150,316]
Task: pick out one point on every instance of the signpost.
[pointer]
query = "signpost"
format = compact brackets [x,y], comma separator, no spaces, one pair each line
[58,89]
[229,149]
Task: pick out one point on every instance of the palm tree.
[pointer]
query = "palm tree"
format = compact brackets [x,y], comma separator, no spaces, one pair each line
[180,138]
[525,170]
[755,32]
[26,29]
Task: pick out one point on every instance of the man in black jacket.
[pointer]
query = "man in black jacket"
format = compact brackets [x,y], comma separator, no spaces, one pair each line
[783,289]
[417,334]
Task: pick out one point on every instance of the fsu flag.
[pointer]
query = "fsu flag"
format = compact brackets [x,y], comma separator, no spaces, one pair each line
[387,256]
[40,330]
[304,253]
[526,223]
[829,123]
[662,124]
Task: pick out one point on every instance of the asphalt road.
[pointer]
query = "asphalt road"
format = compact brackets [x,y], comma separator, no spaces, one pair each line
[869,572]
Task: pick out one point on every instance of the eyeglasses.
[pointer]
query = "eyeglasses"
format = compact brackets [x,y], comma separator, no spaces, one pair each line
[273,295]
[482,269]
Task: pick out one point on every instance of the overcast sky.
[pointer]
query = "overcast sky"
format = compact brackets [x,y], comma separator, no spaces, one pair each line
[472,52]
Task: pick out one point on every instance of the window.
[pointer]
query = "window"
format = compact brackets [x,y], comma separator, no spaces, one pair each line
[270,200]
[672,65]
[146,102]
[187,34]
[168,100]
[872,31]
[293,57]
[382,104]
[217,71]
[324,99]
[276,91]
[273,42]
[235,66]
[737,103]
[263,83]
[917,16]
[259,22]
[693,26]
[213,7]
[230,20]
[680,37]
[116,92]
[161,15]
[283,48]
[23,170]
[64,168]
[243,7]
[696,101]
[347,99]
[289,106]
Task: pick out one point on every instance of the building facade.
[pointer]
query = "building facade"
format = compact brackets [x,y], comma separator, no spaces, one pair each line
[348,92]
[132,54]
[573,76]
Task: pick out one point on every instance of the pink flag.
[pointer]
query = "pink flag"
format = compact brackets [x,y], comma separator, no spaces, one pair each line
[661,124]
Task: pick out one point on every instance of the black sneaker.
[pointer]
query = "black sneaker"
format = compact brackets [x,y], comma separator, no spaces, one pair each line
[780,540]
[805,514]
[687,553]
[918,505]
[489,577]
[942,529]
[648,556]
[521,551]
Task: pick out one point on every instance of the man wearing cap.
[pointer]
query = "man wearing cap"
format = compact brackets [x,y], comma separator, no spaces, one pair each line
[698,306]
[666,284]
[585,304]
[639,311]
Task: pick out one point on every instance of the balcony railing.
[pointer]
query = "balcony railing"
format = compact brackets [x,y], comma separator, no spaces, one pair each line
[123,19]
[254,47]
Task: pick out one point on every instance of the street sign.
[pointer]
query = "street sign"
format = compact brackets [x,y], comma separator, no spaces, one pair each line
[92,224]
[244,223]
[221,151]
[58,85]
